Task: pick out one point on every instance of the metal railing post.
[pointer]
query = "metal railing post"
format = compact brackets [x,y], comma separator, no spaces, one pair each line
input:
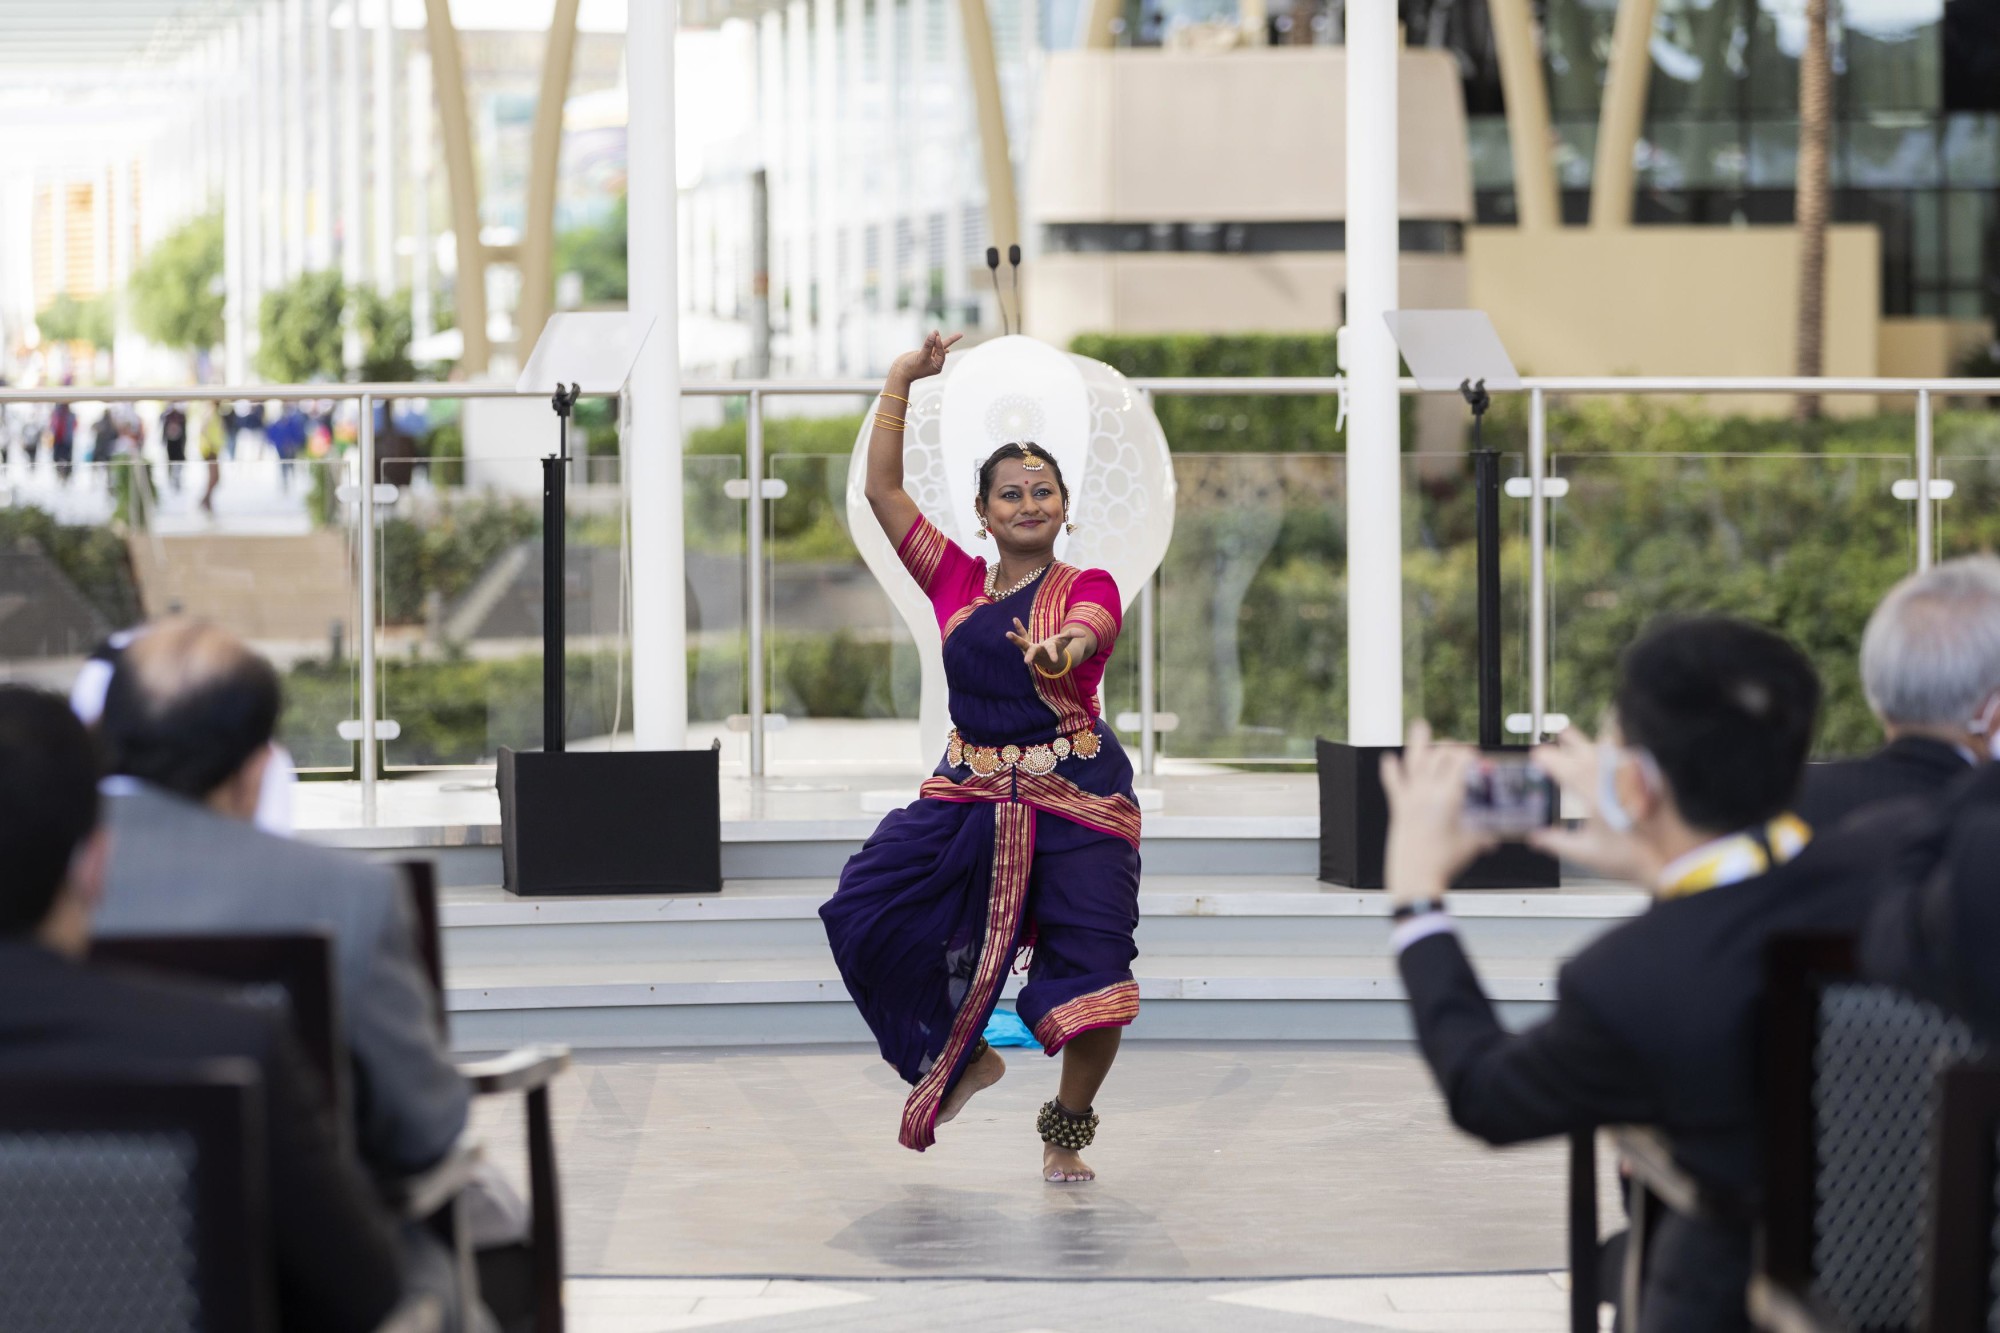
[753,577]
[1149,647]
[1538,564]
[366,628]
[1926,464]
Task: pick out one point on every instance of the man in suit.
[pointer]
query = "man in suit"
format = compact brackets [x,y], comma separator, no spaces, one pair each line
[335,1249]
[187,727]
[1930,665]
[1654,1024]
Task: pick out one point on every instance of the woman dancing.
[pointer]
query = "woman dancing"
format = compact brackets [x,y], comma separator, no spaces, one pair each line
[1027,835]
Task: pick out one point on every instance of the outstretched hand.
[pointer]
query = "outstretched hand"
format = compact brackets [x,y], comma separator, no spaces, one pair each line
[927,360]
[1050,655]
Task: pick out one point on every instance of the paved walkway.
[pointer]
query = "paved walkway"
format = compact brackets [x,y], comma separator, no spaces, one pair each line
[1487,1303]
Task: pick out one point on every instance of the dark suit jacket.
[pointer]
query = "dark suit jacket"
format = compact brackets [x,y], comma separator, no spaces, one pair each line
[337,1257]
[178,867]
[1935,930]
[1912,766]
[1654,1024]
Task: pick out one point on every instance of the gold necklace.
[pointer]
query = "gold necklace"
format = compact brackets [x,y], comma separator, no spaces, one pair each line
[993,578]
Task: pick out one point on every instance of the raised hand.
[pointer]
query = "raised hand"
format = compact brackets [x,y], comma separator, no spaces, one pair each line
[1050,655]
[927,360]
[1429,843]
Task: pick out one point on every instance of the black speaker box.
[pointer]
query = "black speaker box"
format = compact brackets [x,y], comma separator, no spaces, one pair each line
[1354,827]
[628,821]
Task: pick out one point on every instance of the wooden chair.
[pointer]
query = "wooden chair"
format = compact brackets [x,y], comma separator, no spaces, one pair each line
[528,1072]
[127,1202]
[1962,1259]
[1850,1069]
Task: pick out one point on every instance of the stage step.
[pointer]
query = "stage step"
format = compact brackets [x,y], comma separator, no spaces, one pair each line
[1270,958]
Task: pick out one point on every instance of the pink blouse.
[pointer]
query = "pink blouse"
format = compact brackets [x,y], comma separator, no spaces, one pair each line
[954,580]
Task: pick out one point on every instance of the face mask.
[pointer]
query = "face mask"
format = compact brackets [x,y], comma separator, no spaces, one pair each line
[1609,808]
[274,794]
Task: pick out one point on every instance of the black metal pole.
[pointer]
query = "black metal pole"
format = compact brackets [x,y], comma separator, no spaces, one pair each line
[555,631]
[1486,490]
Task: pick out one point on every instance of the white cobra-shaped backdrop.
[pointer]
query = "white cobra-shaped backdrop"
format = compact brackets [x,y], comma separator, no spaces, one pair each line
[1100,429]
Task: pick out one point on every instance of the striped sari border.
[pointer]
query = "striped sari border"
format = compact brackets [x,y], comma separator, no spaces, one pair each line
[1097,620]
[1013,853]
[922,551]
[1062,695]
[1114,1006]
[1116,815]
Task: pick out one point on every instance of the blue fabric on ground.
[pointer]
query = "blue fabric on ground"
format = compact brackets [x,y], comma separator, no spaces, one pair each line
[1005,1028]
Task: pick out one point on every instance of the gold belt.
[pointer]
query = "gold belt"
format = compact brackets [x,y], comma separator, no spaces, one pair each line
[986,760]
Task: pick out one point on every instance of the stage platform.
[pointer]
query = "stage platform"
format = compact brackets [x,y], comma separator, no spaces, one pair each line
[1238,940]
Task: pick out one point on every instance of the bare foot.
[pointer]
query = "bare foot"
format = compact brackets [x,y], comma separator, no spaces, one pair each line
[981,1073]
[1060,1166]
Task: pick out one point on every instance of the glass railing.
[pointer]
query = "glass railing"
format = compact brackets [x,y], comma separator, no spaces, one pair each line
[1645,514]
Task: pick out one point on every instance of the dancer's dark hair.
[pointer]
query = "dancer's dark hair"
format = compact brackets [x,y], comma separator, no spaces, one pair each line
[1019,450]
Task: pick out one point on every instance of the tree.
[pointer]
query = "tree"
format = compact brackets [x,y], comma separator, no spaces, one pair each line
[385,327]
[177,291]
[597,253]
[299,330]
[68,320]
[1815,132]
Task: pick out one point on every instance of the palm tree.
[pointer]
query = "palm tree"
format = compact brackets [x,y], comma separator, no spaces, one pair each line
[1815,132]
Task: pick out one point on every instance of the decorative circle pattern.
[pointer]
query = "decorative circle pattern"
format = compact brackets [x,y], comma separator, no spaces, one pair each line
[1013,419]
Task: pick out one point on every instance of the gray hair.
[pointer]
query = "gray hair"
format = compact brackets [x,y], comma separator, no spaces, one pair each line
[1931,653]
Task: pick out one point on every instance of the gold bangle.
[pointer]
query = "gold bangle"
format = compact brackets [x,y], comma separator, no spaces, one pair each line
[885,422]
[897,396]
[1069,665]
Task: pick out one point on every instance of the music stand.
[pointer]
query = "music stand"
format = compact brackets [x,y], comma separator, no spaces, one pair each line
[1447,351]
[593,822]
[1459,350]
[579,352]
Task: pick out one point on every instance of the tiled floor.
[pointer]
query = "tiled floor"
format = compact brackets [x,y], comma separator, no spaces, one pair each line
[1476,1303]
[1266,1163]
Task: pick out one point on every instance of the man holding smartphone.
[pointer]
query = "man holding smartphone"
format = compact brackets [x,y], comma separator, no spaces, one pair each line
[1690,787]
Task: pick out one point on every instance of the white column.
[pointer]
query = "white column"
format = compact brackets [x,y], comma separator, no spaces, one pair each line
[236,224]
[1374,427]
[652,446]
[797,194]
[58,240]
[826,198]
[100,229]
[297,100]
[271,137]
[384,76]
[352,212]
[323,119]
[418,73]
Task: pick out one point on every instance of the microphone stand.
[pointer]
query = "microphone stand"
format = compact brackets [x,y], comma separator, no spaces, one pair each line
[1486,499]
[555,481]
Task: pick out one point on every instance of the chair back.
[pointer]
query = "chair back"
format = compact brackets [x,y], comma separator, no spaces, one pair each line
[291,972]
[129,1203]
[420,881]
[1962,1265]
[1083,413]
[1848,1109]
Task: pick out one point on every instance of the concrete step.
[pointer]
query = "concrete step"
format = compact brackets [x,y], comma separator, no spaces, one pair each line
[749,967]
[1274,916]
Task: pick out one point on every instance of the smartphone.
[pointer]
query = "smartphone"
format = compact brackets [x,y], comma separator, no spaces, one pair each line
[1508,796]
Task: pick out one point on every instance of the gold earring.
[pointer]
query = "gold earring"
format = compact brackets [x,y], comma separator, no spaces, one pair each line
[982,529]
[1069,527]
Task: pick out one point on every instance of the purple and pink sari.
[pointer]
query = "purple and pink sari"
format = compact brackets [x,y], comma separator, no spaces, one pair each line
[1025,841]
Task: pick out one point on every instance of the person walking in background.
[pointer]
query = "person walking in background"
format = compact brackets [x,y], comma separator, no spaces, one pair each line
[103,442]
[211,454]
[62,439]
[174,435]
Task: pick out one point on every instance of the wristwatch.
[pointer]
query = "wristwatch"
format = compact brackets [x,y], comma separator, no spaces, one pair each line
[1421,907]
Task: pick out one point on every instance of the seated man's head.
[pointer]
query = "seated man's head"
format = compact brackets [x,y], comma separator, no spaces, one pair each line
[1708,733]
[1930,659]
[192,710]
[50,844]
